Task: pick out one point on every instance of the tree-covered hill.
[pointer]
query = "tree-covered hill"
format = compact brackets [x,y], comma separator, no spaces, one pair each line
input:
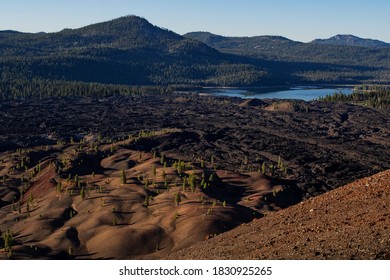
[312,62]
[350,40]
[128,50]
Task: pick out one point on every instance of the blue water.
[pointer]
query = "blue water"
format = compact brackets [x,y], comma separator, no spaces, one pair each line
[304,93]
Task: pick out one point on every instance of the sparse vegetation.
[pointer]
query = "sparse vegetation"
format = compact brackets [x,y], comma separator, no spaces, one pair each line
[123,177]
[82,193]
[177,199]
[8,240]
[70,251]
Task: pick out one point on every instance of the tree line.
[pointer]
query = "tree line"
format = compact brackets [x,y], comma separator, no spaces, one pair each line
[378,98]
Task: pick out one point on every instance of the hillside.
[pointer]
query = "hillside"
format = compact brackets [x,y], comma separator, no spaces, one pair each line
[351,222]
[310,62]
[350,40]
[127,50]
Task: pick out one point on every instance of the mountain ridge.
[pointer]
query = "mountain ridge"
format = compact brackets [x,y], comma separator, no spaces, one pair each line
[351,40]
[339,39]
[127,50]
[313,62]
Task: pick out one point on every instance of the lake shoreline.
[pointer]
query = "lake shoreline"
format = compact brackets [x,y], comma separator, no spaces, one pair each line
[306,93]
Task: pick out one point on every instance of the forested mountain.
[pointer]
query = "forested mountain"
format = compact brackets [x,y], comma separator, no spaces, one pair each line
[127,50]
[132,51]
[350,40]
[312,62]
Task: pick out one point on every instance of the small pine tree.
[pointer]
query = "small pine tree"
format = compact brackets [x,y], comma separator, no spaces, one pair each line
[8,240]
[154,171]
[82,193]
[31,198]
[192,181]
[177,199]
[146,201]
[123,177]
[184,185]
[13,204]
[179,167]
[279,162]
[162,159]
[70,251]
[263,166]
[146,183]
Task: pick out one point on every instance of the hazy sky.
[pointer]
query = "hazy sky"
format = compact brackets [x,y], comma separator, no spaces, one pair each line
[301,20]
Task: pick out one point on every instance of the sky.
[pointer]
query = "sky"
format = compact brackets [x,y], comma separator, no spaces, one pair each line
[300,20]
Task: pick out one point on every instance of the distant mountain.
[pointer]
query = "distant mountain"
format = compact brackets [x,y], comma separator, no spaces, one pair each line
[130,32]
[312,62]
[127,50]
[239,44]
[351,40]
[9,32]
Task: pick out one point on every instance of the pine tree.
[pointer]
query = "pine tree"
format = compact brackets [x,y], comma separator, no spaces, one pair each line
[123,177]
[146,201]
[154,171]
[13,204]
[280,162]
[177,199]
[263,168]
[31,198]
[82,193]
[8,240]
[162,159]
[70,251]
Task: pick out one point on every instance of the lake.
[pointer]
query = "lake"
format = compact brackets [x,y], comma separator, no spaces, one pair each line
[304,93]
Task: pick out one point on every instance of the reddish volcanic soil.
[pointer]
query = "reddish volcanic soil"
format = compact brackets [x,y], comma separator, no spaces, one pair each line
[226,162]
[352,222]
[105,201]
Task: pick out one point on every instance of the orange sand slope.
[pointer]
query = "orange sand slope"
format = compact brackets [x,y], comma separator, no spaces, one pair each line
[351,222]
[108,201]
